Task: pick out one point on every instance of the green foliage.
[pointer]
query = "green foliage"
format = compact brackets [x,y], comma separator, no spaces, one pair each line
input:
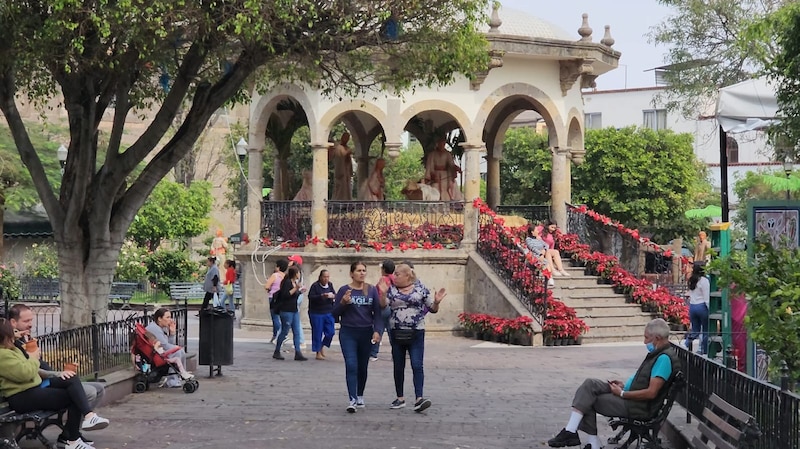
[526,166]
[41,261]
[172,211]
[166,265]
[15,181]
[772,286]
[407,166]
[641,177]
[131,265]
[752,187]
[709,47]
[9,282]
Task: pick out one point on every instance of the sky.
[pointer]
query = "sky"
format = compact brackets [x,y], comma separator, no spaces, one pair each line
[630,22]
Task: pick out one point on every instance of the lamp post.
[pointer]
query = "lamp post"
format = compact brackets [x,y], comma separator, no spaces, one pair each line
[788,166]
[241,151]
[61,154]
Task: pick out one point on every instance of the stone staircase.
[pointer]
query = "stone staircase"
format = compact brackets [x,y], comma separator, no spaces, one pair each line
[609,318]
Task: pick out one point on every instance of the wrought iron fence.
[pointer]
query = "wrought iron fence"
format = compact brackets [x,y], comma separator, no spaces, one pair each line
[535,214]
[776,410]
[367,221]
[500,253]
[633,256]
[102,347]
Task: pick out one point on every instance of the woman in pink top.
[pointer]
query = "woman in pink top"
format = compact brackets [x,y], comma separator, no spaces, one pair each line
[272,286]
[547,233]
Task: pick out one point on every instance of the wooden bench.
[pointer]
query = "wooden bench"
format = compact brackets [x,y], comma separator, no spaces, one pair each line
[645,431]
[724,426]
[122,292]
[40,290]
[183,291]
[30,425]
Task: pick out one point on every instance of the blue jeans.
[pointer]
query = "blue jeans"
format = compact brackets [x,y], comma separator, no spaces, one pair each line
[228,298]
[355,343]
[385,313]
[276,323]
[297,320]
[698,314]
[322,330]
[416,352]
[288,321]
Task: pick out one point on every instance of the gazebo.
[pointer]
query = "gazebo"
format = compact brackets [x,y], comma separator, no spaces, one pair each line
[535,66]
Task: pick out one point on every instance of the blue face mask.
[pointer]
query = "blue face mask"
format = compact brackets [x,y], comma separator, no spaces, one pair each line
[650,347]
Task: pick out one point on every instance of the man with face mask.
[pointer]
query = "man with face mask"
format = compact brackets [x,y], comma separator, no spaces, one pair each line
[640,397]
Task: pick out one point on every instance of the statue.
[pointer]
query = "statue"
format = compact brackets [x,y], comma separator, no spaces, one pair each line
[219,246]
[418,191]
[306,191]
[342,170]
[441,171]
[373,189]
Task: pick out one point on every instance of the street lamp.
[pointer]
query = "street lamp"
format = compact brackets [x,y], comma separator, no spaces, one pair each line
[241,151]
[788,166]
[61,154]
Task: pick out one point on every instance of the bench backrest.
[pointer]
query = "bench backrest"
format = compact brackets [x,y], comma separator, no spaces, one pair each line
[237,290]
[674,386]
[40,288]
[186,290]
[126,289]
[724,426]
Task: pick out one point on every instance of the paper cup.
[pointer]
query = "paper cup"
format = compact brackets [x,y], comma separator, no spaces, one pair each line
[71,367]
[32,345]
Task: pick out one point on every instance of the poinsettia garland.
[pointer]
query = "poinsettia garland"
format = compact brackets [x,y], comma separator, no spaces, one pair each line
[358,246]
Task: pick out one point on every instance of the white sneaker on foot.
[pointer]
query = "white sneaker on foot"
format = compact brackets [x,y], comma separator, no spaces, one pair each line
[78,444]
[564,273]
[360,402]
[94,423]
[351,407]
[373,359]
[551,283]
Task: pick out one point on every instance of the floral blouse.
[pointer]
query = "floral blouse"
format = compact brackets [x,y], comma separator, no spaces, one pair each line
[409,310]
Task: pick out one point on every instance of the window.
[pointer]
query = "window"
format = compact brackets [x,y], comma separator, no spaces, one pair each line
[655,119]
[593,120]
[732,146]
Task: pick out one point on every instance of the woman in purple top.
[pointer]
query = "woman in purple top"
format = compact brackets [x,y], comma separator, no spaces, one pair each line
[320,308]
[409,301]
[272,286]
[359,311]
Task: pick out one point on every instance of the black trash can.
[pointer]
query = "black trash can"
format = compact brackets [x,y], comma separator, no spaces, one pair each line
[216,339]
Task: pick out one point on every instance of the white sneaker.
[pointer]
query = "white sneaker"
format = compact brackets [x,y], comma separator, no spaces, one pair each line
[351,408]
[373,359]
[94,423]
[557,273]
[78,444]
[564,273]
[551,283]
[360,402]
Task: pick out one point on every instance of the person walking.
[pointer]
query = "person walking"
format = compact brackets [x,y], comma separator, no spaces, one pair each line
[272,286]
[210,282]
[359,311]
[320,313]
[287,308]
[387,279]
[699,297]
[409,301]
[297,261]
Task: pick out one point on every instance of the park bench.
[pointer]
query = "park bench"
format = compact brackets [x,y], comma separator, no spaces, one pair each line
[121,293]
[724,426]
[183,291]
[30,425]
[237,294]
[40,290]
[645,431]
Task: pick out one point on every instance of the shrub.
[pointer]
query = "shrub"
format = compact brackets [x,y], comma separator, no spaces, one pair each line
[165,265]
[131,265]
[41,261]
[9,282]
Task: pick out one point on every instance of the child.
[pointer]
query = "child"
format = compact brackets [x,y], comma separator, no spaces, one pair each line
[386,281]
[173,360]
[230,279]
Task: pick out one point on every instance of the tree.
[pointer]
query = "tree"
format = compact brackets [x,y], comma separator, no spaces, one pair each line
[709,47]
[526,166]
[172,211]
[641,177]
[163,58]
[407,167]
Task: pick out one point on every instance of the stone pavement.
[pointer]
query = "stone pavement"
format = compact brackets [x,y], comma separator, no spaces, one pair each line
[485,396]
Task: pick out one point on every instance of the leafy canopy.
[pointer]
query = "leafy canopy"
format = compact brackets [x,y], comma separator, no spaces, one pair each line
[526,166]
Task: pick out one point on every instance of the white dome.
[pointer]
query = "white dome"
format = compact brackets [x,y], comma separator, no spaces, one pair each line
[520,23]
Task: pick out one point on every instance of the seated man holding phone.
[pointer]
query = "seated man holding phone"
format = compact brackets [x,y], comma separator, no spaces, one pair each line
[640,397]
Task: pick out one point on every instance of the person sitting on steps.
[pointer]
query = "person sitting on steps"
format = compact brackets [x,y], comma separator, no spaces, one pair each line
[547,233]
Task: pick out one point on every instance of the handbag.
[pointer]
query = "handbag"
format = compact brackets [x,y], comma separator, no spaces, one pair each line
[215,301]
[403,335]
[229,289]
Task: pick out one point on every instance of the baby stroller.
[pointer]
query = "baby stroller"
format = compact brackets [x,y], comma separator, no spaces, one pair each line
[151,366]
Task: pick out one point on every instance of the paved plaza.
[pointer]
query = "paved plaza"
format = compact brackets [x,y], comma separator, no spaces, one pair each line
[485,396]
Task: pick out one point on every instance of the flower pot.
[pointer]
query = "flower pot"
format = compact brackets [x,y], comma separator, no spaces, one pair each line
[589,271]
[558,342]
[576,263]
[548,341]
[579,340]
[469,333]
[628,298]
[618,290]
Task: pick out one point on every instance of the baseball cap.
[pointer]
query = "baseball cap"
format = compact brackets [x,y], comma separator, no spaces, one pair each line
[296,259]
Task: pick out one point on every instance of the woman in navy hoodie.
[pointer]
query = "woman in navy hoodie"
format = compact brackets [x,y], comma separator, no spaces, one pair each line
[320,308]
[359,311]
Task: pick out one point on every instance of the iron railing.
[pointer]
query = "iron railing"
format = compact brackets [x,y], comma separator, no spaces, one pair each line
[775,409]
[102,347]
[535,214]
[367,221]
[500,254]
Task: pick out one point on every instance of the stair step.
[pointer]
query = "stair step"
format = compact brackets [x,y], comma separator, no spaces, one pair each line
[595,321]
[579,281]
[609,310]
[590,301]
[618,331]
[588,339]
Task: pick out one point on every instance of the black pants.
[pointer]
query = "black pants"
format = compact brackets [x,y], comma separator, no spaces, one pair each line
[206,300]
[59,395]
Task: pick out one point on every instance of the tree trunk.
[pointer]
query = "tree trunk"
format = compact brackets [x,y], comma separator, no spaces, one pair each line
[282,181]
[85,282]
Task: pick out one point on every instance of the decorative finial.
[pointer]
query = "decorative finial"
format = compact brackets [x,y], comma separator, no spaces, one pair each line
[494,21]
[607,40]
[585,30]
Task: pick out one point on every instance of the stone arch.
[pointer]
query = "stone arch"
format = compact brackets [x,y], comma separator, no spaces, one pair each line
[266,105]
[575,135]
[343,108]
[461,119]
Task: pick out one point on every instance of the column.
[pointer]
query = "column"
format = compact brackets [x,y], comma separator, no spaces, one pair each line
[560,186]
[255,182]
[472,190]
[319,210]
[493,181]
[253,308]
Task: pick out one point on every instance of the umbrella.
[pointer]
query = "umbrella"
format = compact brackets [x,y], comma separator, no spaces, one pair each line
[709,211]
